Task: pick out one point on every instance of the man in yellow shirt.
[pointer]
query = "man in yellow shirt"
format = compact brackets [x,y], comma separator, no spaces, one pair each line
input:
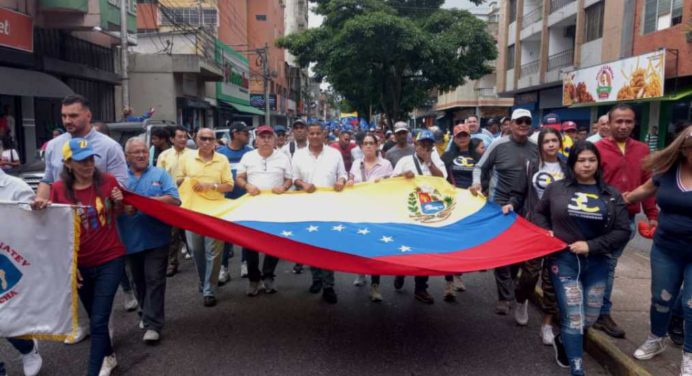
[210,175]
[169,160]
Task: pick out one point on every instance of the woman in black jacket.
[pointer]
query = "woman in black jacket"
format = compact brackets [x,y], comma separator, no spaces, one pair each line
[591,217]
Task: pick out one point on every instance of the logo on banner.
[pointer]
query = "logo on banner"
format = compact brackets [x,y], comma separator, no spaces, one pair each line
[9,277]
[605,82]
[428,205]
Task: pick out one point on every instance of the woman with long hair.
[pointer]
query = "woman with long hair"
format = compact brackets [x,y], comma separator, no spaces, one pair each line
[671,253]
[591,217]
[101,261]
[548,169]
[373,168]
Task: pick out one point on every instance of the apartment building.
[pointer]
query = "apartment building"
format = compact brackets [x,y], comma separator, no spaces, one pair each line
[295,21]
[53,48]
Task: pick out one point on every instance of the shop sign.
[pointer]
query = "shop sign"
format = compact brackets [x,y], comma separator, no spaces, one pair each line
[236,72]
[628,79]
[257,100]
[16,30]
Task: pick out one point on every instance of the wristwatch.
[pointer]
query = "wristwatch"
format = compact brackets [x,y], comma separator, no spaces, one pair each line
[216,187]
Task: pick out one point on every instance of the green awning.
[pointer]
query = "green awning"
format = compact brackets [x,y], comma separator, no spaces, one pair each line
[246,109]
[666,98]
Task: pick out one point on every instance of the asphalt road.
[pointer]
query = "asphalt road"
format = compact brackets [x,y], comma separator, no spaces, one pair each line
[295,333]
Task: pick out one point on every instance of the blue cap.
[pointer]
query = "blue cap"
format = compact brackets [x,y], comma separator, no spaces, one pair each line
[425,134]
[77,149]
[279,128]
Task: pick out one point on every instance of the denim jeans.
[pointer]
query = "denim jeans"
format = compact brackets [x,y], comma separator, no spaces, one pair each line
[97,292]
[612,264]
[206,252]
[149,279]
[253,270]
[669,269]
[579,285]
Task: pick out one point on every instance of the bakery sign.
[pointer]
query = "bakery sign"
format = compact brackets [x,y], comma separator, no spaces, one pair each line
[16,30]
[633,78]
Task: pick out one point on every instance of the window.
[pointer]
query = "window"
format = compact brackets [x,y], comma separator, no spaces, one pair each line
[661,14]
[510,57]
[512,10]
[594,22]
[189,16]
[261,17]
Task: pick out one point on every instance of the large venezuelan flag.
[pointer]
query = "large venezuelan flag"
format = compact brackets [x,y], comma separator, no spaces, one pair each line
[420,226]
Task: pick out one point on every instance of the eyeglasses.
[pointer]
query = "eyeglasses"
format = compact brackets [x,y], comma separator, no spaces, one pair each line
[523,121]
[207,139]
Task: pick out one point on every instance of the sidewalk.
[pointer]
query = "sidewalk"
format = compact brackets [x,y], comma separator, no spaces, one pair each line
[631,300]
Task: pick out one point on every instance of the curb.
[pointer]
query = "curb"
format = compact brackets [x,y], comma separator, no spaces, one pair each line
[606,353]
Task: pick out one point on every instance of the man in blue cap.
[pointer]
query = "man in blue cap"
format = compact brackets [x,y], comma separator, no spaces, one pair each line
[422,162]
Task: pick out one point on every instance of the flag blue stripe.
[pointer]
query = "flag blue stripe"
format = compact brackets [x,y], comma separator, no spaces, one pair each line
[385,239]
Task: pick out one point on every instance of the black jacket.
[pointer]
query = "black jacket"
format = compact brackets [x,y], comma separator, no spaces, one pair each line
[551,213]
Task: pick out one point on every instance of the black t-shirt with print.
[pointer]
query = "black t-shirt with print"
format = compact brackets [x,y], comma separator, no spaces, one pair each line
[588,210]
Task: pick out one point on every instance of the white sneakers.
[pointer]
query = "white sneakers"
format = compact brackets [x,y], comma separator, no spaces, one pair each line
[243,269]
[521,313]
[32,361]
[686,366]
[253,288]
[108,365]
[650,348]
[359,281]
[151,336]
[547,334]
[130,301]
[224,276]
[450,294]
[375,295]
[459,283]
[82,333]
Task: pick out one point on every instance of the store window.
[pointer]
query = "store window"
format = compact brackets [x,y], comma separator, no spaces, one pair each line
[594,22]
[661,14]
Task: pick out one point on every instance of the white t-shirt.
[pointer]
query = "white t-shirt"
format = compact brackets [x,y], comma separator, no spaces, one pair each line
[594,138]
[265,173]
[322,170]
[287,148]
[408,164]
[9,155]
[357,153]
[546,175]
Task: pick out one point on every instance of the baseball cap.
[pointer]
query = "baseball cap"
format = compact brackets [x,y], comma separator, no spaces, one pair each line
[461,128]
[77,149]
[552,121]
[264,129]
[520,113]
[569,125]
[425,135]
[278,128]
[400,126]
[299,122]
[238,126]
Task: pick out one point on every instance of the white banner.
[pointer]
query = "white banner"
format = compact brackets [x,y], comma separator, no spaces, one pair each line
[38,291]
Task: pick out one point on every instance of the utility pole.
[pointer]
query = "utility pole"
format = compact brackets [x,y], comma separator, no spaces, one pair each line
[125,79]
[265,72]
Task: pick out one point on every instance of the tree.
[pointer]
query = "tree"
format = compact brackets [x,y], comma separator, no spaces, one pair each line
[389,54]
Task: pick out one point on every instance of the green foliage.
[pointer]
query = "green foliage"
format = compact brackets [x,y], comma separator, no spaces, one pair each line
[389,54]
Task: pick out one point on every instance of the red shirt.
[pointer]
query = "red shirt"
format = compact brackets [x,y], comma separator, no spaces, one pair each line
[625,172]
[345,154]
[98,236]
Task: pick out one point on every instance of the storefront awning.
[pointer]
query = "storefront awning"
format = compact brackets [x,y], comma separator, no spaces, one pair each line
[28,83]
[667,98]
[246,109]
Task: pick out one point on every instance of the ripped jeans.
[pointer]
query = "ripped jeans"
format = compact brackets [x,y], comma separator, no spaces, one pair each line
[669,269]
[579,282]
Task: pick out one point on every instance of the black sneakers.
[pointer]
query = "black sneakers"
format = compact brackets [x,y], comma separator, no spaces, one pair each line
[316,287]
[423,296]
[298,269]
[209,301]
[560,354]
[329,295]
[676,330]
[606,324]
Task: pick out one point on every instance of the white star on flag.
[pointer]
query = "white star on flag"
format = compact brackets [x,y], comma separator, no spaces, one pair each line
[364,231]
[404,248]
[287,233]
[338,228]
[387,239]
[313,228]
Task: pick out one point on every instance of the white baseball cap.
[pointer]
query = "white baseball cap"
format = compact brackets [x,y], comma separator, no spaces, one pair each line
[520,113]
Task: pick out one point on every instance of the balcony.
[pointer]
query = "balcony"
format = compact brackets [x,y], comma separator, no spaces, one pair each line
[529,68]
[532,17]
[486,92]
[557,4]
[561,59]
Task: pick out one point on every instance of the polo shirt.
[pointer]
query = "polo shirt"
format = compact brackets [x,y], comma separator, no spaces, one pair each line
[234,157]
[14,189]
[110,159]
[322,170]
[407,164]
[266,173]
[141,232]
[169,160]
[217,170]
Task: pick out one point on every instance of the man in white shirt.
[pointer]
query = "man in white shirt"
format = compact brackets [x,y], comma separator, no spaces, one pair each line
[422,162]
[263,169]
[313,167]
[603,130]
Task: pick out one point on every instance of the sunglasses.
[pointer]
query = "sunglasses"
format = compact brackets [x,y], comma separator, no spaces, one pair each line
[207,139]
[523,121]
